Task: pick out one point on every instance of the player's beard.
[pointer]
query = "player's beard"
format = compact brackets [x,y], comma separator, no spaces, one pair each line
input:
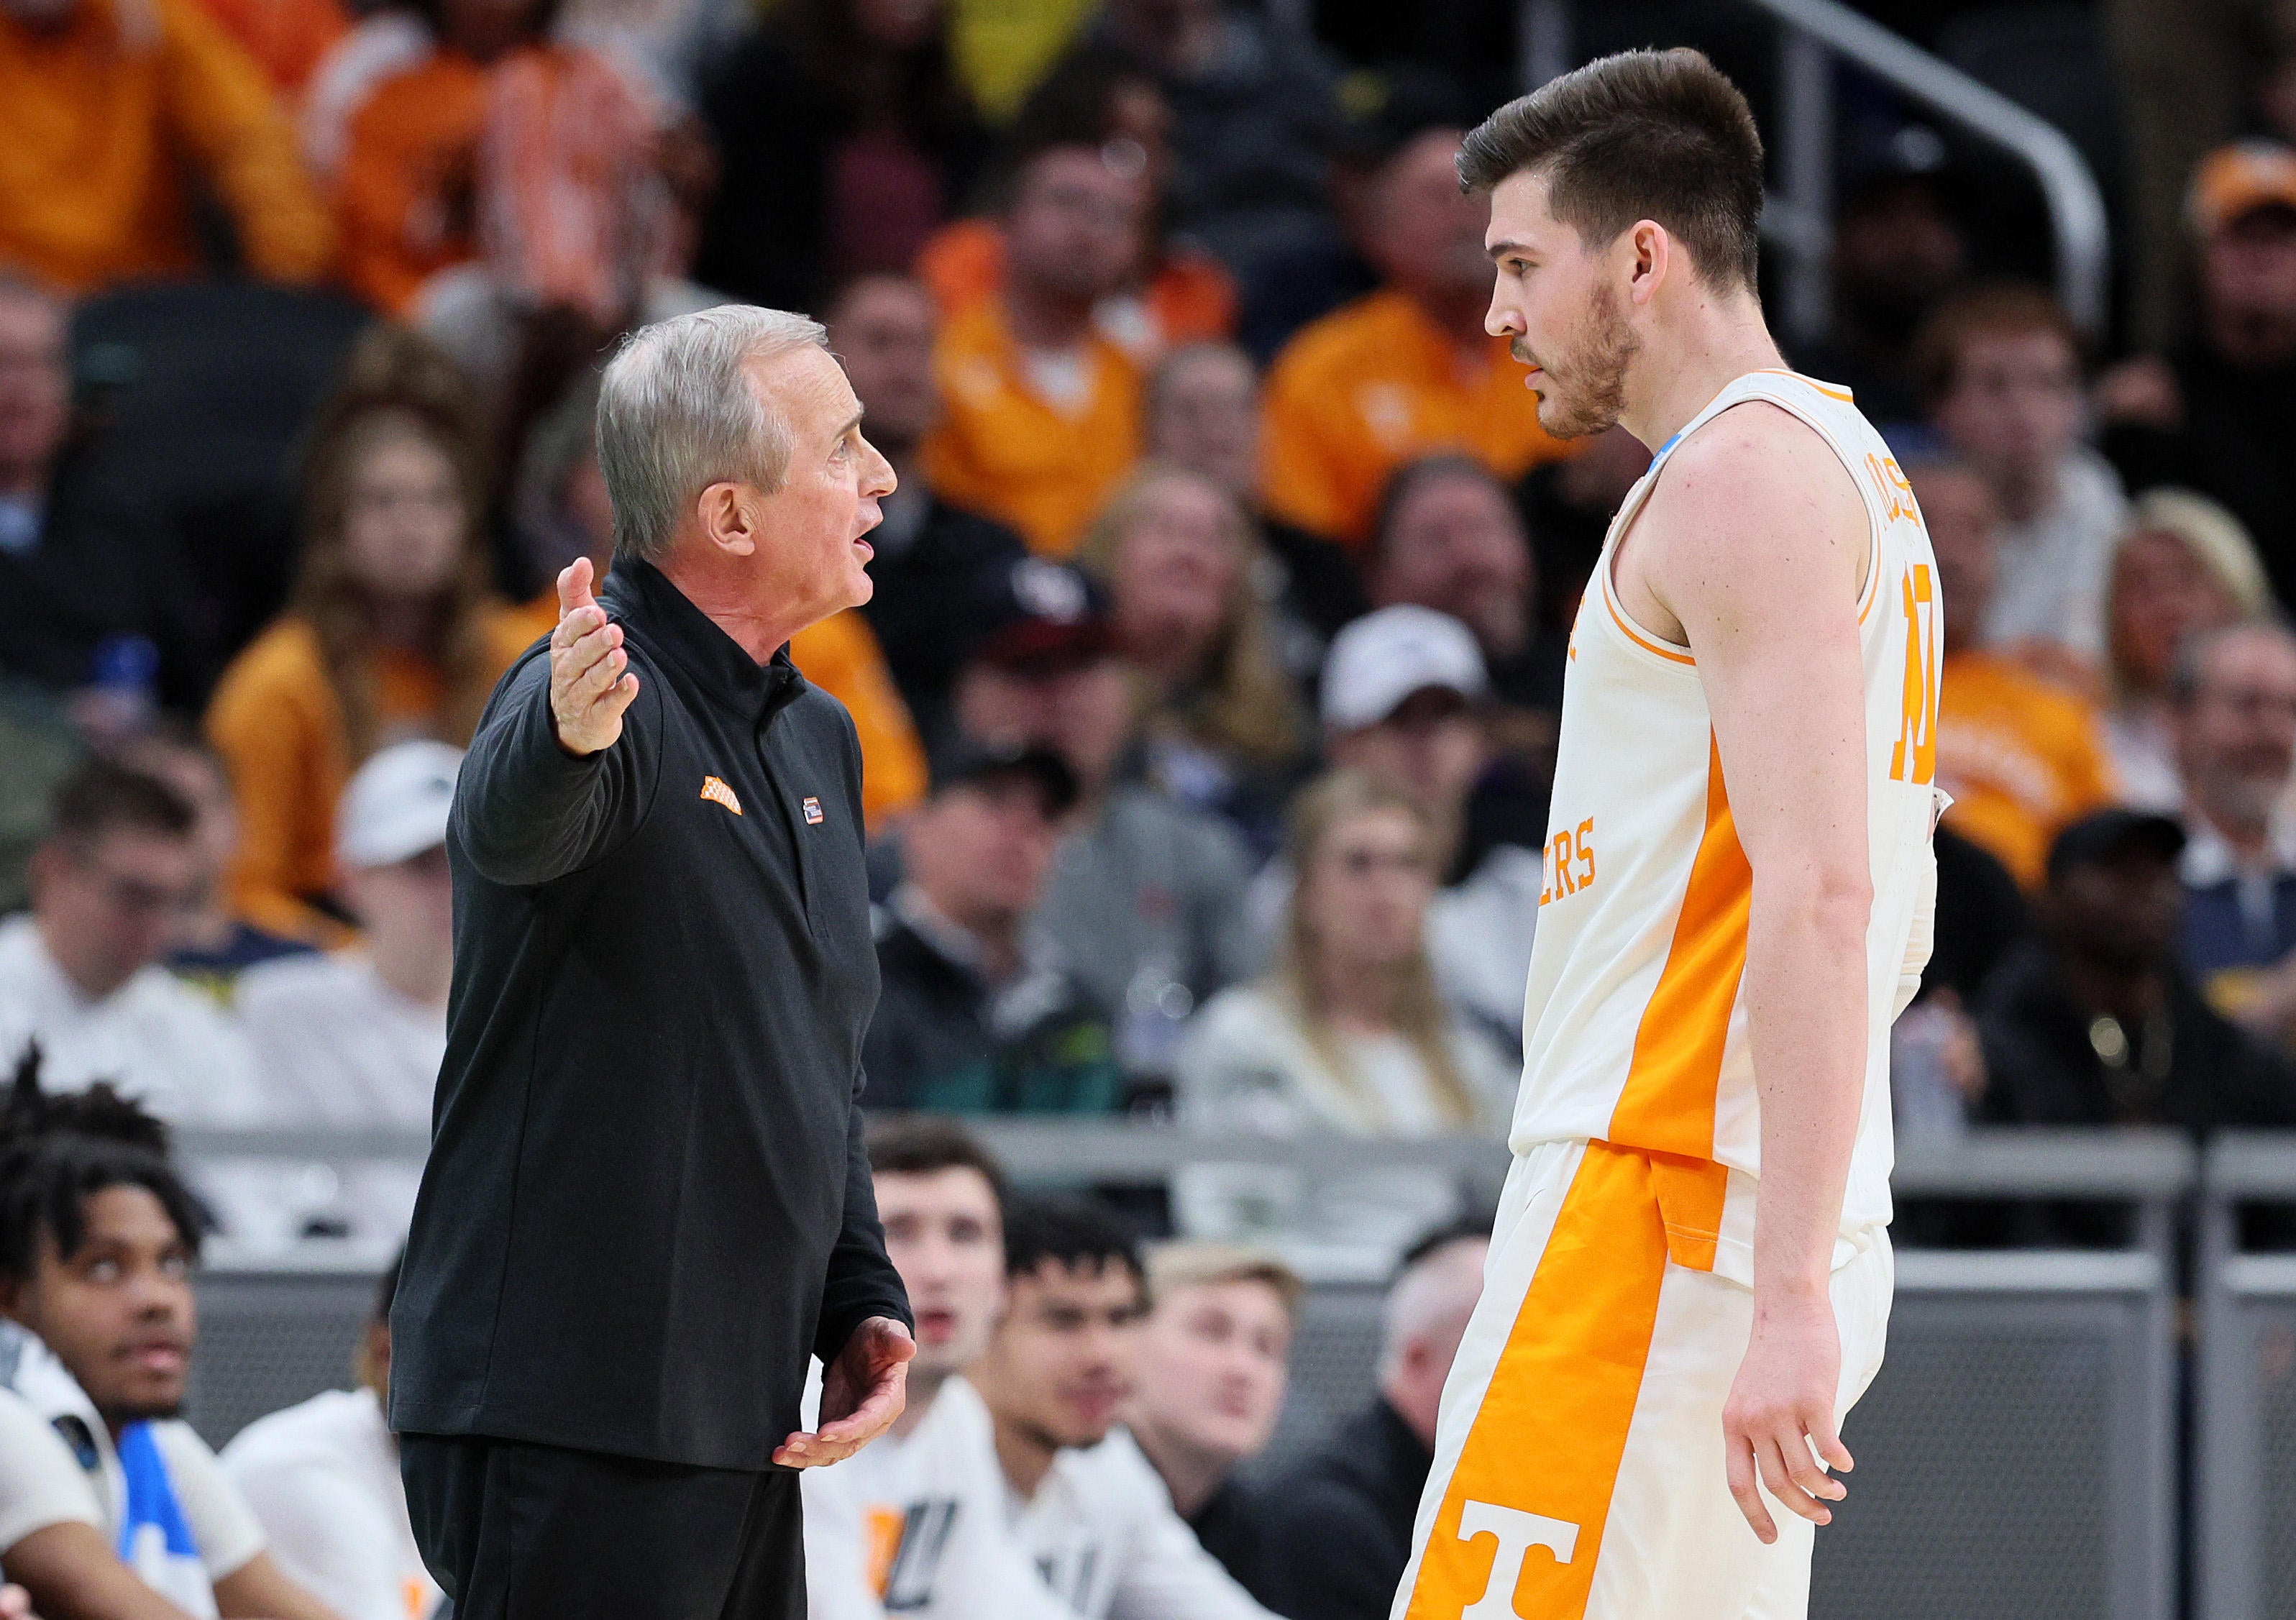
[1584,394]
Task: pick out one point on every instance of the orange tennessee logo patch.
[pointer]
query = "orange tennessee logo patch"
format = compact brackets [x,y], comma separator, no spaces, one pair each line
[718,792]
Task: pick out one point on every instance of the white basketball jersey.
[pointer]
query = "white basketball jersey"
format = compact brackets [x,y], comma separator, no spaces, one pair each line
[1634,1025]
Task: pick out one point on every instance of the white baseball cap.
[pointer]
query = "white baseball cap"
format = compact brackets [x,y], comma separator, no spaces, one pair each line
[396,805]
[1382,659]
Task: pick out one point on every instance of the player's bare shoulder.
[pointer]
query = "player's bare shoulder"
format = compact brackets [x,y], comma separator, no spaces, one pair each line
[1753,515]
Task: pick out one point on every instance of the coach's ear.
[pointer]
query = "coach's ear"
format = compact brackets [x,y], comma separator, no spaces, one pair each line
[732,522]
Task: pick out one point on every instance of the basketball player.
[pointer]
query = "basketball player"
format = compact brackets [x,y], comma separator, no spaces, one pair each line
[1690,1277]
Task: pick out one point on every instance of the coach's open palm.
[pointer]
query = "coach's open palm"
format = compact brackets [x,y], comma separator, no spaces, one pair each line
[1781,1405]
[590,680]
[862,1392]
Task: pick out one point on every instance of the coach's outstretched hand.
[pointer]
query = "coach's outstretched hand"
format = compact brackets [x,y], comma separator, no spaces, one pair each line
[1777,1425]
[14,1605]
[590,682]
[862,1392]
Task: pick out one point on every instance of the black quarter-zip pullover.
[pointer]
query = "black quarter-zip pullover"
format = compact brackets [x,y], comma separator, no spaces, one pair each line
[648,1199]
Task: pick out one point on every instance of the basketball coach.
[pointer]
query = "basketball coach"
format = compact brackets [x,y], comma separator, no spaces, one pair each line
[647,1201]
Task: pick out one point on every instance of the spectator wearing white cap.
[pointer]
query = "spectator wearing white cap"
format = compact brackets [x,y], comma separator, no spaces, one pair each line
[354,1039]
[1403,690]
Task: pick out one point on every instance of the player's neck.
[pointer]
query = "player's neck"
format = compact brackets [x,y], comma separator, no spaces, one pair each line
[1691,359]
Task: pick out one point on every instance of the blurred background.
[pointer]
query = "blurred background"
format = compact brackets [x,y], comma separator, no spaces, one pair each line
[1208,693]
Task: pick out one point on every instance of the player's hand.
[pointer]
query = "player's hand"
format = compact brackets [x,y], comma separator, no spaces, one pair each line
[590,679]
[862,1392]
[16,1604]
[1781,1405]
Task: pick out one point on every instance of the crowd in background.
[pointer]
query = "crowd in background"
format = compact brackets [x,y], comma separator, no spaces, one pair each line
[1208,692]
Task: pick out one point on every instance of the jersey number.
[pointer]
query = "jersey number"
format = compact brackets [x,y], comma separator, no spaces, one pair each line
[1914,759]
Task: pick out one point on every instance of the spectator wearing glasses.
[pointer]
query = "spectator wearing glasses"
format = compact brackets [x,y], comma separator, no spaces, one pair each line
[2234,696]
[82,973]
[215,944]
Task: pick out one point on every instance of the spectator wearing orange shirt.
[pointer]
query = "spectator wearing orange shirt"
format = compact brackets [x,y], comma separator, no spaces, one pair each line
[1040,409]
[286,38]
[1172,292]
[392,631]
[2022,756]
[457,130]
[102,102]
[1403,371]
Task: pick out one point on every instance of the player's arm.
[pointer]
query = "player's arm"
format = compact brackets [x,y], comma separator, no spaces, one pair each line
[1762,550]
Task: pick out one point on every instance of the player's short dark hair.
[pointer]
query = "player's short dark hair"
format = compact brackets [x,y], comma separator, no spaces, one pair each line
[56,1152]
[101,795]
[922,1144]
[1467,1229]
[1075,1233]
[1662,135]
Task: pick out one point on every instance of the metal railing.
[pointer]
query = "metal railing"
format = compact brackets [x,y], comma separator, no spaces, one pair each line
[1799,218]
[2245,1484]
[1817,28]
[2017,1451]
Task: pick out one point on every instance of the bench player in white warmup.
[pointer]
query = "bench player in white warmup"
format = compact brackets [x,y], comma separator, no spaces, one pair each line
[1690,1277]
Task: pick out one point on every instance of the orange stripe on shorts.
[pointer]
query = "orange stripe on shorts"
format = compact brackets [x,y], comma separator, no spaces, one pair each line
[1523,1511]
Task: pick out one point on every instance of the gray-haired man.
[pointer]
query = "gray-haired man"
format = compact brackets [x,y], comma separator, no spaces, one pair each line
[648,1200]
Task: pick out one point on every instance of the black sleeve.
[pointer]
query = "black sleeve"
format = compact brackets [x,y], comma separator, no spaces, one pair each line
[525,810]
[1327,1555]
[862,1282]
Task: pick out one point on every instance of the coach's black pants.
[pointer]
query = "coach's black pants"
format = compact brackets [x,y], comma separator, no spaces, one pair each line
[520,1532]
